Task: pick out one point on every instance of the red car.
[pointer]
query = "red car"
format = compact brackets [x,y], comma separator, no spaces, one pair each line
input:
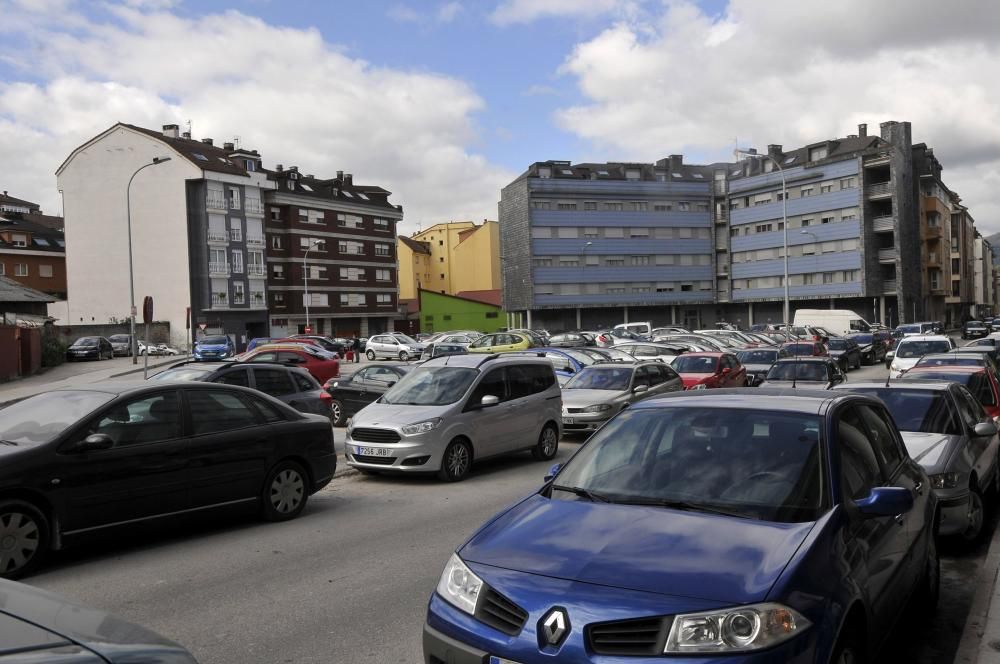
[322,365]
[805,348]
[980,381]
[701,371]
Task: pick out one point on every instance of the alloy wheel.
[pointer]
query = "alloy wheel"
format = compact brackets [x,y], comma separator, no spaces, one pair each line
[335,411]
[975,516]
[287,491]
[549,441]
[20,539]
[458,461]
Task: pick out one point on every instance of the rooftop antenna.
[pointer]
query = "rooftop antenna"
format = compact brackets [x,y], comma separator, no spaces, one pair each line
[236,142]
[189,128]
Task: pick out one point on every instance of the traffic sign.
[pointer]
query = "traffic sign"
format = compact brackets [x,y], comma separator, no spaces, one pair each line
[147,309]
[202,326]
[309,330]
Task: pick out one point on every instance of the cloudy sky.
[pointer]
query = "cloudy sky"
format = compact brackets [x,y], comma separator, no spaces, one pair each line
[445,101]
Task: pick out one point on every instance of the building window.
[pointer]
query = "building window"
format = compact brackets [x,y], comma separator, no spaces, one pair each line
[237,262]
[639,206]
[352,299]
[3,270]
[278,271]
[382,275]
[541,262]
[238,293]
[661,207]
[848,183]
[806,222]
[19,240]
[640,260]
[383,250]
[540,205]
[383,299]
[956,288]
[349,220]
[276,242]
[381,224]
[235,230]
[828,277]
[348,247]
[826,220]
[45,271]
[815,154]
[279,299]
[276,214]
[317,244]
[764,228]
[684,206]
[825,188]
[442,275]
[589,205]
[806,191]
[616,207]
[544,173]
[615,261]
[20,269]
[591,232]
[234,199]
[352,273]
[316,300]
[614,290]
[566,206]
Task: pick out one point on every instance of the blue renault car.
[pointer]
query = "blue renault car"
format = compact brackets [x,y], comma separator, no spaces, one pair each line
[214,347]
[777,526]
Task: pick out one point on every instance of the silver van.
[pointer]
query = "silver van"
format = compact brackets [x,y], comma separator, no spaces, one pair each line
[452,411]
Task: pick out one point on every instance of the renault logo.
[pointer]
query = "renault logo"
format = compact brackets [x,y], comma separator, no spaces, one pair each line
[553,628]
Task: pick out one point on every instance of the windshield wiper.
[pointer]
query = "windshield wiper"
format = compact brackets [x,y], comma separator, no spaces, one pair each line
[8,442]
[689,507]
[584,493]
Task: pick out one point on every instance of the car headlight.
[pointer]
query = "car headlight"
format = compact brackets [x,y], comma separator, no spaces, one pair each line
[699,386]
[741,629]
[459,586]
[599,408]
[946,480]
[421,427]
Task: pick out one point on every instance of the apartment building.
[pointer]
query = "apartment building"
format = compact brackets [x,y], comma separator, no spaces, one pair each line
[463,256]
[414,266]
[32,254]
[196,226]
[595,244]
[332,261]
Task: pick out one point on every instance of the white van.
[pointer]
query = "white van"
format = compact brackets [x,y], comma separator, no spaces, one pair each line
[636,328]
[841,322]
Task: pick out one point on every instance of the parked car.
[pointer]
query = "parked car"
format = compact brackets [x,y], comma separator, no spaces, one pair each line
[501,342]
[394,347]
[911,329]
[126,453]
[993,352]
[331,345]
[643,350]
[600,392]
[806,348]
[638,329]
[441,348]
[161,350]
[259,341]
[452,411]
[214,347]
[910,349]
[845,351]
[974,329]
[344,397]
[958,358]
[616,336]
[290,384]
[90,348]
[449,338]
[951,436]
[702,527]
[995,325]
[873,346]
[982,383]
[121,344]
[39,626]
[670,329]
[571,340]
[701,340]
[566,362]
[701,371]
[608,354]
[818,373]
[758,361]
[321,364]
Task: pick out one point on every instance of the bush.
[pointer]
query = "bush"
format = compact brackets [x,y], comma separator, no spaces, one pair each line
[53,350]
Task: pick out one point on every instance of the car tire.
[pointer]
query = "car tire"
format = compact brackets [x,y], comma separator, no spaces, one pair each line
[977,517]
[456,462]
[28,530]
[403,356]
[849,649]
[548,444]
[370,355]
[285,492]
[927,596]
[337,414]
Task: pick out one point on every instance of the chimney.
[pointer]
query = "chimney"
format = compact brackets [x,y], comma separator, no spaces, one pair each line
[852,135]
[752,151]
[170,131]
[863,130]
[340,175]
[310,176]
[207,141]
[186,135]
[774,150]
[227,146]
[293,169]
[279,168]
[676,161]
[348,179]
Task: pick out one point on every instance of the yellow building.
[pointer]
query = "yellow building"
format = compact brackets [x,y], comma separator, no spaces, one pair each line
[450,258]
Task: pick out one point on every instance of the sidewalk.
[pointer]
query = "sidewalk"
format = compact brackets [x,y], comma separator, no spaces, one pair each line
[52,380]
[981,637]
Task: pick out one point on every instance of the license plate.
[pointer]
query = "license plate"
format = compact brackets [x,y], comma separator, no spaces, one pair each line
[500,660]
[568,420]
[373,451]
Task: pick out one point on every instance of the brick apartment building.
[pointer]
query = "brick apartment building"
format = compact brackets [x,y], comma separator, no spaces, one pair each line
[32,246]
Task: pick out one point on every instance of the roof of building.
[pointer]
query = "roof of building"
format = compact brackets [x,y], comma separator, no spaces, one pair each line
[43,236]
[416,246]
[11,291]
[424,291]
[6,198]
[204,156]
[493,296]
[341,189]
[49,221]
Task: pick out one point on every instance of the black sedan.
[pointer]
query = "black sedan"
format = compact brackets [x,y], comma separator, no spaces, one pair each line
[347,396]
[975,329]
[873,346]
[90,348]
[82,460]
[758,361]
[846,351]
[38,626]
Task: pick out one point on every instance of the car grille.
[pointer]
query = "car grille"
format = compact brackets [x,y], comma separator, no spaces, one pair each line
[378,460]
[375,435]
[644,636]
[500,613]
[574,410]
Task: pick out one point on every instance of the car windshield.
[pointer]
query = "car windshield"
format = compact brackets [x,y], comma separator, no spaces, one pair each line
[747,463]
[695,365]
[43,417]
[601,378]
[800,349]
[118,338]
[431,386]
[86,341]
[974,323]
[404,339]
[908,329]
[926,411]
[837,344]
[859,338]
[214,341]
[963,360]
[911,349]
[757,356]
[798,371]
[182,373]
[582,358]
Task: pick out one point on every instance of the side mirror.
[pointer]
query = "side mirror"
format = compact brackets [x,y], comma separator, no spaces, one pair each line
[489,400]
[886,501]
[726,371]
[97,441]
[390,383]
[985,429]
[640,388]
[553,471]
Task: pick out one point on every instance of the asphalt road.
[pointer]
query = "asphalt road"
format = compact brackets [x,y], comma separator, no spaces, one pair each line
[349,580]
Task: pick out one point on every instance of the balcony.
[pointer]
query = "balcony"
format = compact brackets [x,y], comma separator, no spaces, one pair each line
[722,270]
[236,235]
[216,203]
[933,233]
[218,237]
[218,269]
[253,206]
[721,218]
[879,190]
[883,224]
[255,240]
[887,255]
[256,298]
[889,287]
[256,271]
[220,301]
[933,259]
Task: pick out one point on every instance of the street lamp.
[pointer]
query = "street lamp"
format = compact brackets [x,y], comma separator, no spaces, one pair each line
[784,221]
[131,275]
[305,274]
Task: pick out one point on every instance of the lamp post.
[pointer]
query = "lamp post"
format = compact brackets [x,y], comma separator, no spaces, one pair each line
[131,276]
[305,275]
[784,220]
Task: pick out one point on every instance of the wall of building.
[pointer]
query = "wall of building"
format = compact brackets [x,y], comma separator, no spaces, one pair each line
[414,271]
[443,239]
[475,261]
[34,260]
[440,312]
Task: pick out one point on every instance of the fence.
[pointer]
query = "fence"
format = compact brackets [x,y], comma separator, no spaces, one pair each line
[20,351]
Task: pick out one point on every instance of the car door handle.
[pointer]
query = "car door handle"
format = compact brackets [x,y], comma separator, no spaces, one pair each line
[899,519]
[918,488]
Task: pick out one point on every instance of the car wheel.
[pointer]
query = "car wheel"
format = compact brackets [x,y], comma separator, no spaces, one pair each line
[975,517]
[370,355]
[548,444]
[849,650]
[403,356]
[24,538]
[456,462]
[284,496]
[930,586]
[337,415]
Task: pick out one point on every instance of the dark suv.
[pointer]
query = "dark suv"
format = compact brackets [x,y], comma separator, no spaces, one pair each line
[975,329]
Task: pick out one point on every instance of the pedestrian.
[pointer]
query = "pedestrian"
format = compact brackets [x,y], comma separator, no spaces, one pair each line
[356,348]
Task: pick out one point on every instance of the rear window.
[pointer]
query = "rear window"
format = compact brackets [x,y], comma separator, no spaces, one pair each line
[911,349]
[214,341]
[925,411]
[838,344]
[757,356]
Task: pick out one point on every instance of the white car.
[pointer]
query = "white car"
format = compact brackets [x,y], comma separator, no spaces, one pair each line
[394,346]
[911,348]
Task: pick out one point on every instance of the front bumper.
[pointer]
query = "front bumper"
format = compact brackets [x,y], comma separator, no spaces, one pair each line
[585,422]
[412,454]
[954,511]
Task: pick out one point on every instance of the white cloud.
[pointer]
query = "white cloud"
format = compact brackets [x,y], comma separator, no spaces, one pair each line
[509,12]
[793,72]
[404,14]
[449,11]
[290,95]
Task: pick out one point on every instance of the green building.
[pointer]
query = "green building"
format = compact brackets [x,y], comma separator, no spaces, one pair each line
[440,312]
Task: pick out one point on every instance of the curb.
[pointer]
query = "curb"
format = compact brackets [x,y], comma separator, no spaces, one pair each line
[984,614]
[141,368]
